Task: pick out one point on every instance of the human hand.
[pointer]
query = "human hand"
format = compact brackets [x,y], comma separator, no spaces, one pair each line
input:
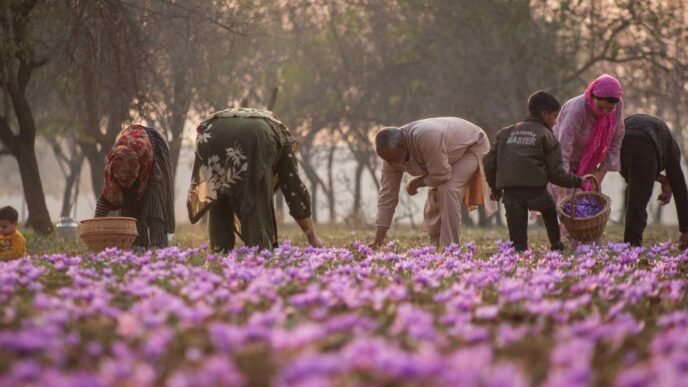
[665,197]
[683,241]
[414,184]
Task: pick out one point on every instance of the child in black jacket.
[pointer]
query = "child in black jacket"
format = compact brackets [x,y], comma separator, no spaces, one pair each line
[522,160]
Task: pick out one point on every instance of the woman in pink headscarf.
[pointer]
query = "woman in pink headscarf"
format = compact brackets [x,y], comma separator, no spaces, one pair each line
[590,128]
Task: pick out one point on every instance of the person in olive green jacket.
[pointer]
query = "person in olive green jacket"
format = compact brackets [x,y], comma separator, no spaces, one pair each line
[523,159]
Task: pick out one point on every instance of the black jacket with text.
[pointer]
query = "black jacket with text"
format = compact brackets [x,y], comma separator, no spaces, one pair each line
[526,155]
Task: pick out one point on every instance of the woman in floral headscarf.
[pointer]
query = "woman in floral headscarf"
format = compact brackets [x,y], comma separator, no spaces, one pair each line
[139,183]
[590,128]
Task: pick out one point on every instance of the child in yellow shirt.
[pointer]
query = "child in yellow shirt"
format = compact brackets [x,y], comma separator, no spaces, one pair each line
[12,242]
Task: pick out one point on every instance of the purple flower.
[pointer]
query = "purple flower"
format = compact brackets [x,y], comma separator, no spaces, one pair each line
[507,334]
[583,207]
[415,322]
[309,367]
[634,377]
[488,312]
[504,375]
[343,316]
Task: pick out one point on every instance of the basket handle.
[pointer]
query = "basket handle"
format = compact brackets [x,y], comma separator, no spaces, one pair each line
[596,184]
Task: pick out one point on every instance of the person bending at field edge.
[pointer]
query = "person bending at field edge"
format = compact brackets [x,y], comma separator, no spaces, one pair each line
[522,160]
[444,154]
[648,149]
[243,156]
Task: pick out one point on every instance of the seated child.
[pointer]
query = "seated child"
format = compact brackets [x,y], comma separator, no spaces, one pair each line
[523,159]
[12,242]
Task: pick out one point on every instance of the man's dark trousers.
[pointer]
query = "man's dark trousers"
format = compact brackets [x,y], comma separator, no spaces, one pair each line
[639,167]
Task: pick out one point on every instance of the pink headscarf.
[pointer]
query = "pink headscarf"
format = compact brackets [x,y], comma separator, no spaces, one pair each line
[597,146]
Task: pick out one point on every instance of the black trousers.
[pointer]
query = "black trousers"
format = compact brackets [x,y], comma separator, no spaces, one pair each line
[149,214]
[517,202]
[639,168]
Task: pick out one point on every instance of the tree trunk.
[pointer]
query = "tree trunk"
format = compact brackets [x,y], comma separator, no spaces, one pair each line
[498,216]
[75,206]
[314,201]
[483,220]
[175,150]
[39,217]
[71,190]
[177,131]
[658,213]
[330,184]
[356,208]
[371,168]
[175,144]
[465,217]
[314,179]
[279,206]
[89,143]
[179,111]
[97,163]
[625,205]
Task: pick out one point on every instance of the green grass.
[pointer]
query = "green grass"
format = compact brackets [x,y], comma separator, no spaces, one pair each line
[405,237]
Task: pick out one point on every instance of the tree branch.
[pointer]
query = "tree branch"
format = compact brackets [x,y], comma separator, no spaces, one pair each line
[601,56]
[204,17]
[59,152]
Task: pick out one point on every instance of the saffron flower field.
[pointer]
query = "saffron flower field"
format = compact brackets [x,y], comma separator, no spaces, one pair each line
[347,316]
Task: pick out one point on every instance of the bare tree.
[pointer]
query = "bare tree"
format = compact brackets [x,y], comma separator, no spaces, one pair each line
[18,61]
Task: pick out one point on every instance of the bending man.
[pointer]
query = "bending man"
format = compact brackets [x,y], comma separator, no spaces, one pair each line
[648,149]
[444,154]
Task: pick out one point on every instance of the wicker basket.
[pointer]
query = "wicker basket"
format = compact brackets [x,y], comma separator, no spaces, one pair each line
[101,233]
[590,228]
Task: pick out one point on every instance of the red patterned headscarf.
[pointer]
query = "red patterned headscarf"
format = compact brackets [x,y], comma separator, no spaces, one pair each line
[597,146]
[132,158]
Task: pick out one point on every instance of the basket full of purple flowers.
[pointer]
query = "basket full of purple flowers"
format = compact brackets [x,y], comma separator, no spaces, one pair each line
[585,214]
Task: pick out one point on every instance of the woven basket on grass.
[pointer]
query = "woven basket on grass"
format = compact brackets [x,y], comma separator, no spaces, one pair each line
[101,233]
[590,228]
